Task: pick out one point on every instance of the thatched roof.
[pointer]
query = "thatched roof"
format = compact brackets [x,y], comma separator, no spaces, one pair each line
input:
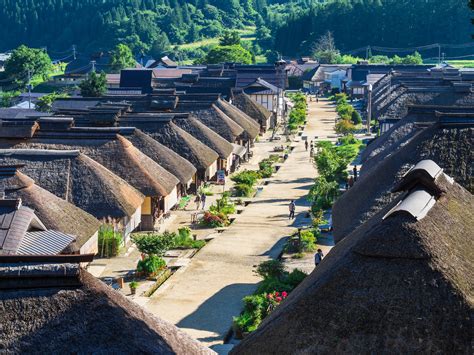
[403,131]
[251,127]
[395,105]
[448,146]
[78,179]
[167,158]
[161,128]
[109,148]
[77,313]
[55,213]
[253,109]
[205,135]
[394,285]
[214,118]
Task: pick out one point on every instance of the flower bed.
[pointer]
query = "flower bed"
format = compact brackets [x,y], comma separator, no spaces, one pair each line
[275,287]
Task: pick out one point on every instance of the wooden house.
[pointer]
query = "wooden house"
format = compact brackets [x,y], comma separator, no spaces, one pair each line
[54,213]
[80,180]
[109,148]
[51,305]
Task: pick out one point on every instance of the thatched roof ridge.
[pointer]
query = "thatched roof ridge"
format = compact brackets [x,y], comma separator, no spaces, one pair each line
[76,178]
[394,285]
[206,135]
[252,128]
[55,213]
[167,158]
[161,128]
[253,109]
[115,153]
[214,118]
[402,131]
[449,147]
[80,314]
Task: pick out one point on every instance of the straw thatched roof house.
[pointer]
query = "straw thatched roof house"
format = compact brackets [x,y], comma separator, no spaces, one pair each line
[403,131]
[161,128]
[251,127]
[78,179]
[23,233]
[55,213]
[253,109]
[448,143]
[52,305]
[165,157]
[400,283]
[198,130]
[109,148]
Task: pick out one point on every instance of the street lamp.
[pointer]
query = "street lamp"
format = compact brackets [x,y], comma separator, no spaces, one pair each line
[369,107]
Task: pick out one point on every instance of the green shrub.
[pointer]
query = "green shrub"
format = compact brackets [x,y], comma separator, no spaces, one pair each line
[223,205]
[151,265]
[272,284]
[214,220]
[243,190]
[109,241]
[295,278]
[271,269]
[154,244]
[184,240]
[356,118]
[247,177]
[308,241]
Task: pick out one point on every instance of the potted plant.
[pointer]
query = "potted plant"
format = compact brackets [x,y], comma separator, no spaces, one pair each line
[133,287]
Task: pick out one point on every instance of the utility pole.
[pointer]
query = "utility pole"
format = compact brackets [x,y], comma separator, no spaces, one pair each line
[29,88]
[439,53]
[74,51]
[368,53]
[93,65]
[369,108]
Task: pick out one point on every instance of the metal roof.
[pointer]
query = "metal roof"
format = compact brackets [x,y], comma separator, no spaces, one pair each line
[44,243]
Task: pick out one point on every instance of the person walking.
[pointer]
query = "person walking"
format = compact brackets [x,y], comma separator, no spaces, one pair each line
[311,154]
[306,144]
[197,201]
[354,170]
[318,257]
[292,208]
[203,200]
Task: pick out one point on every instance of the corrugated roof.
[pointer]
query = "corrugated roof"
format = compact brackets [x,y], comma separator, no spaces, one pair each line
[44,243]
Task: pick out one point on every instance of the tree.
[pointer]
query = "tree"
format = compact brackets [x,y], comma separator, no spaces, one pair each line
[222,54]
[355,117]
[325,50]
[160,47]
[229,38]
[26,60]
[45,102]
[121,58]
[94,86]
[345,127]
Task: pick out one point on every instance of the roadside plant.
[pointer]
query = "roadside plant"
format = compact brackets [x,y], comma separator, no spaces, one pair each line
[151,265]
[154,244]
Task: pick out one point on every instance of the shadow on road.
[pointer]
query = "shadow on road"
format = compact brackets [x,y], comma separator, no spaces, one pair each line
[208,316]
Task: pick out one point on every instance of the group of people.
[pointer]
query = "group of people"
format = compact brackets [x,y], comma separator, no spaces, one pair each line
[311,152]
[200,199]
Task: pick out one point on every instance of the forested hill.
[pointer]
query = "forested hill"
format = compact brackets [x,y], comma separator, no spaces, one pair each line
[287,26]
[387,23]
[95,24]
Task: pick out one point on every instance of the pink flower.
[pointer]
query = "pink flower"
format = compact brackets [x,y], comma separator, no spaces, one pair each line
[279,299]
[284,294]
[269,296]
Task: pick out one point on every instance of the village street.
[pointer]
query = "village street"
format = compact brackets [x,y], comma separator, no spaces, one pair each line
[203,297]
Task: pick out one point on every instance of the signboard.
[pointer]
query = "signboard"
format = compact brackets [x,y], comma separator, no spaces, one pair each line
[220,177]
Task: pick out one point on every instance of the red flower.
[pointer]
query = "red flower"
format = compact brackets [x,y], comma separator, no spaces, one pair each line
[279,299]
[277,294]
[284,294]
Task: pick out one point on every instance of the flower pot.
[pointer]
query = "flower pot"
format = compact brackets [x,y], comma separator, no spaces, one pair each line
[133,291]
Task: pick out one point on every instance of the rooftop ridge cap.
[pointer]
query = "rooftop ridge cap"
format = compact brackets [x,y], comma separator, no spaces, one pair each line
[46,152]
